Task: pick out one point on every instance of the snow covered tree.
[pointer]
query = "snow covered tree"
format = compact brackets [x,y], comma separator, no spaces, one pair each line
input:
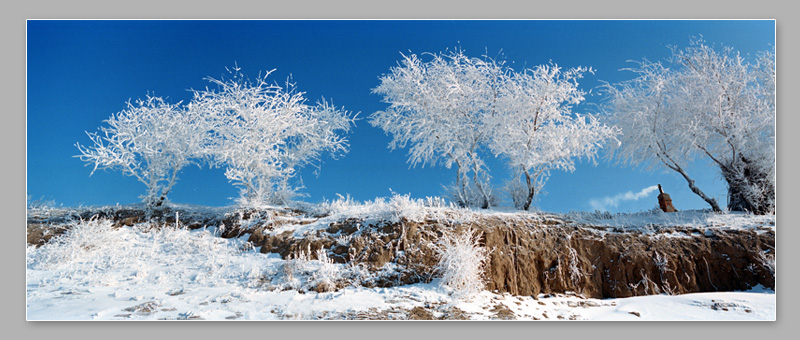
[151,140]
[537,131]
[710,104]
[439,108]
[264,133]
[735,121]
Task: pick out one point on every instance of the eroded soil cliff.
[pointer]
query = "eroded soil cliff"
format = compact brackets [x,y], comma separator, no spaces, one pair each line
[529,254]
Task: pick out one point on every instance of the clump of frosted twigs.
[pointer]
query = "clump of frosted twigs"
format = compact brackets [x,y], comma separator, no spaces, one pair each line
[767,261]
[461,262]
[392,209]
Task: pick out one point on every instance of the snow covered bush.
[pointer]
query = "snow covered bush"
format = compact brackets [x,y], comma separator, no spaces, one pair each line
[41,208]
[392,209]
[328,275]
[96,252]
[302,272]
[706,104]
[264,133]
[462,261]
[151,140]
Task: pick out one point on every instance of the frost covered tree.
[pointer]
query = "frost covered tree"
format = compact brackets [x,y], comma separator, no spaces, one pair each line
[151,140]
[439,108]
[450,107]
[264,133]
[710,104]
[538,132]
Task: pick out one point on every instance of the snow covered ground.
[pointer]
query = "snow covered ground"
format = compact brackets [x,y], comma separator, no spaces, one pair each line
[97,272]
[647,220]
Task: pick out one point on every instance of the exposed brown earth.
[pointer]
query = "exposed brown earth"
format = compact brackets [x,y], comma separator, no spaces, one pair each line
[529,256]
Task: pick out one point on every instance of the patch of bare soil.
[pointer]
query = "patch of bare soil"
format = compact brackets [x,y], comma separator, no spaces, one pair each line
[41,233]
[501,312]
[419,313]
[146,308]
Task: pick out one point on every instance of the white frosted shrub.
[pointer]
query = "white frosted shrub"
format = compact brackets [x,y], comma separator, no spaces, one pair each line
[461,262]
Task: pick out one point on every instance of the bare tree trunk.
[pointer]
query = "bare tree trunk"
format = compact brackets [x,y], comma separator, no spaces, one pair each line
[531,191]
[475,178]
[461,190]
[151,201]
[163,197]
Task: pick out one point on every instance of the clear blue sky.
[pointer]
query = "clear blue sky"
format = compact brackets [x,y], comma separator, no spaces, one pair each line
[80,72]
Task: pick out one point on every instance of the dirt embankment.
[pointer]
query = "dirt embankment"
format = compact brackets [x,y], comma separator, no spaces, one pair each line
[528,256]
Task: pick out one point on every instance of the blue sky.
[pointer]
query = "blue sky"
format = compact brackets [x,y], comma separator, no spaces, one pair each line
[80,72]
